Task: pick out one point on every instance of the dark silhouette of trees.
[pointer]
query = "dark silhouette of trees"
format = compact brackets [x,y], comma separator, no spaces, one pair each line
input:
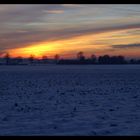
[113,60]
[80,56]
[117,60]
[138,61]
[56,58]
[17,60]
[106,59]
[93,58]
[81,59]
[134,61]
[44,59]
[7,58]
[121,60]
[31,59]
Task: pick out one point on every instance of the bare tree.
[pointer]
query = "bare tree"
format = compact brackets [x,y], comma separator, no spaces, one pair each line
[93,58]
[56,58]
[80,56]
[31,58]
[44,59]
[7,58]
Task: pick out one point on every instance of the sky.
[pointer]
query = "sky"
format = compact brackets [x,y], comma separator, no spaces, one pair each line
[66,29]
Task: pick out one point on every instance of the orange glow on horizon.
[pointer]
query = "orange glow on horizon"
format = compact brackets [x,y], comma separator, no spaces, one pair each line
[91,43]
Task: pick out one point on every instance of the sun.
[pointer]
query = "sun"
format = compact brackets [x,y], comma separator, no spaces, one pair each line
[37,50]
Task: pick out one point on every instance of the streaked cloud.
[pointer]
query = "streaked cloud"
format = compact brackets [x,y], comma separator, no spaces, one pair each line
[26,25]
[25,37]
[54,11]
[123,46]
[72,5]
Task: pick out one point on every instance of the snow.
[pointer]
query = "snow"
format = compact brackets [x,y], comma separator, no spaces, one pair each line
[70,100]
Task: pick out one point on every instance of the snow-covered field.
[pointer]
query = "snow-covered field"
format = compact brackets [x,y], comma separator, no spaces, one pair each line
[70,100]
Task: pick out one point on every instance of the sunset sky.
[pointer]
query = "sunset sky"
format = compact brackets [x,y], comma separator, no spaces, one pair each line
[66,29]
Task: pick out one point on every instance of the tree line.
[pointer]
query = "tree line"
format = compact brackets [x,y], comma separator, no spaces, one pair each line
[105,59]
[81,59]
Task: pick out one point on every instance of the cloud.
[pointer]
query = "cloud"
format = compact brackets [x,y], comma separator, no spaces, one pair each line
[23,38]
[23,25]
[72,5]
[125,46]
[54,11]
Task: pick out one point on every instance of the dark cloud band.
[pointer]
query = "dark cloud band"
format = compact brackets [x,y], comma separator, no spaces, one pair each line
[123,46]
